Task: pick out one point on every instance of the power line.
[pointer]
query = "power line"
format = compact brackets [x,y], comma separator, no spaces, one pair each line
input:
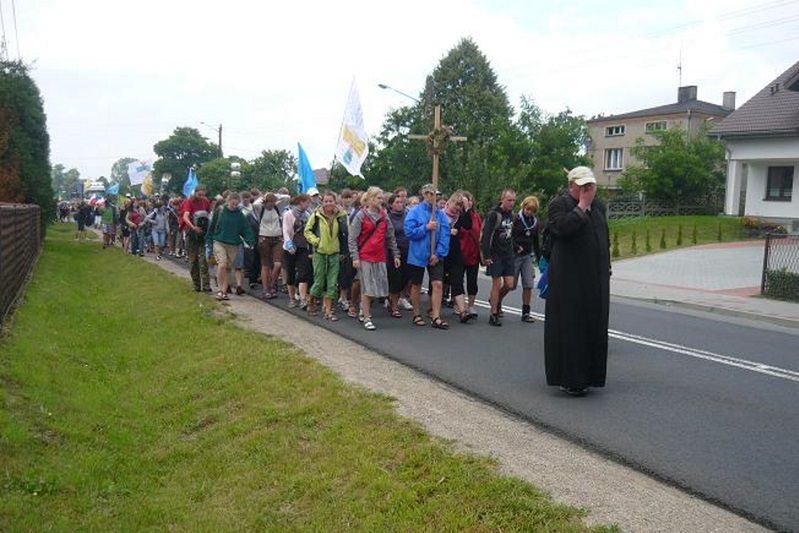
[16,33]
[3,43]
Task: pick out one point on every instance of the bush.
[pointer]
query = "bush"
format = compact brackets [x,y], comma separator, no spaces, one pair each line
[719,237]
[782,285]
[694,235]
[648,244]
[615,252]
[634,247]
[663,239]
[679,235]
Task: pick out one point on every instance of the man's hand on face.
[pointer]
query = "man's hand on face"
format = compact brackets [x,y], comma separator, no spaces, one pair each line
[587,194]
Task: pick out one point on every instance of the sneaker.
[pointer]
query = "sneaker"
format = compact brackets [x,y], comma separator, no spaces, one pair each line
[494,320]
[157,257]
[405,304]
[527,318]
[293,304]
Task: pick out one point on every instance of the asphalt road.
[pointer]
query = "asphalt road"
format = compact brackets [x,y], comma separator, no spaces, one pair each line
[707,403]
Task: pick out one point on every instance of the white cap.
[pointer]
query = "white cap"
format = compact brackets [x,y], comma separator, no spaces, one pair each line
[581,176]
[313,191]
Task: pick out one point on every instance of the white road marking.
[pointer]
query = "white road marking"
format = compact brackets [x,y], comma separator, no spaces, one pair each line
[736,362]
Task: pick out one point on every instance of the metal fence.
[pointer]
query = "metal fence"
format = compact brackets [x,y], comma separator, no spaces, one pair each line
[781,267]
[620,207]
[21,234]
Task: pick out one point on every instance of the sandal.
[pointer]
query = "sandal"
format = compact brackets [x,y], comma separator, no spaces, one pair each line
[367,323]
[352,313]
[465,317]
[439,324]
[331,317]
[221,296]
[417,320]
[396,313]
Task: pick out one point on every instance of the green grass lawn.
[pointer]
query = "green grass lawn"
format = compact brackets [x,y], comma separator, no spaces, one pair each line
[127,403]
[707,231]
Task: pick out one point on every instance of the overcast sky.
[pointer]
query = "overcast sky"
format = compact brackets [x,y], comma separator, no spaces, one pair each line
[118,76]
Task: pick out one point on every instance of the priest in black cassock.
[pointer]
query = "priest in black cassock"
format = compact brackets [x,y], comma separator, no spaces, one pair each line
[576,327]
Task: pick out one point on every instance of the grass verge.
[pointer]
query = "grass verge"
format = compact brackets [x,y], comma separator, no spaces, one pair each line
[127,403]
[668,233]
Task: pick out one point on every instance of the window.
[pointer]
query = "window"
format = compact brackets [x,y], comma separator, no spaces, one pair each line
[613,131]
[779,184]
[613,158]
[660,125]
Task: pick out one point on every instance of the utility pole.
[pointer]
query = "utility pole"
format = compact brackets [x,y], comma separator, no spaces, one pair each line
[220,140]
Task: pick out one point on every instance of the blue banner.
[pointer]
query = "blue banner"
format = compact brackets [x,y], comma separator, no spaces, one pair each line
[305,171]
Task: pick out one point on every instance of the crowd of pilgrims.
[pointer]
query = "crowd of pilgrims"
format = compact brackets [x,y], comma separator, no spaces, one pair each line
[329,251]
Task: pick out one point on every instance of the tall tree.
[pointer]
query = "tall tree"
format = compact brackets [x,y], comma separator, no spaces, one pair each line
[24,142]
[217,175]
[274,169]
[185,148]
[680,168]
[474,103]
[119,174]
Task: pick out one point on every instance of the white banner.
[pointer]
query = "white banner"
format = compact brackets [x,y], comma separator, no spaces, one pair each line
[138,170]
[353,143]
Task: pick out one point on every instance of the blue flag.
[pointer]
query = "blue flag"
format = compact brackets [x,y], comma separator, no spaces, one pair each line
[190,184]
[113,189]
[304,169]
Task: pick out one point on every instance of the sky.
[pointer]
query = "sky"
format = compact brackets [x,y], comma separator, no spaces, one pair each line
[118,76]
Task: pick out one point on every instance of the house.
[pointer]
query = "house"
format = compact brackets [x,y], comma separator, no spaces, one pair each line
[762,139]
[613,137]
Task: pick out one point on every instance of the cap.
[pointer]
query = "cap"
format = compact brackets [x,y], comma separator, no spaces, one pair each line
[313,191]
[428,187]
[581,176]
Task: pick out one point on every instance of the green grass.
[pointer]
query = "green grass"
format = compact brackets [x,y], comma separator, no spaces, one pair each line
[707,231]
[128,402]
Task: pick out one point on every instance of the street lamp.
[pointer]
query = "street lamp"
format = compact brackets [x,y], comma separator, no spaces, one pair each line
[218,128]
[390,88]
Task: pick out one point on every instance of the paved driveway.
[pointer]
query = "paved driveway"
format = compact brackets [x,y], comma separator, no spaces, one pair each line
[732,268]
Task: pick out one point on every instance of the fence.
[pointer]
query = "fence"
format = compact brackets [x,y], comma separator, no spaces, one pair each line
[21,234]
[620,207]
[781,267]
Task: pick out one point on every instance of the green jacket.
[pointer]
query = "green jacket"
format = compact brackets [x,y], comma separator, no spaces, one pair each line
[325,239]
[229,227]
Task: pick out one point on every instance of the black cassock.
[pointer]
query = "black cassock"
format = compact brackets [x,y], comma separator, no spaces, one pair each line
[576,327]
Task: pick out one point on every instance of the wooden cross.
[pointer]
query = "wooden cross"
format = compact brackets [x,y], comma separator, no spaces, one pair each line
[437,141]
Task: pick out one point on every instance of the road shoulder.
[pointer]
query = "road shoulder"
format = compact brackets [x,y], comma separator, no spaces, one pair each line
[611,492]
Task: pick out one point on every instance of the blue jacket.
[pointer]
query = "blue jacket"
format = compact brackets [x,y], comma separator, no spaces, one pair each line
[419,236]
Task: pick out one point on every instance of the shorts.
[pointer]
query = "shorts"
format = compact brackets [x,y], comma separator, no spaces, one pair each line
[435,273]
[159,238]
[502,267]
[298,267]
[270,250]
[524,268]
[225,254]
[109,229]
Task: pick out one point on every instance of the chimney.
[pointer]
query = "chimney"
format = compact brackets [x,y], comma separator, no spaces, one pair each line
[686,94]
[728,102]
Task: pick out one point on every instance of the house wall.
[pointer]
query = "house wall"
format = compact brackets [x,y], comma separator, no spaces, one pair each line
[756,206]
[635,128]
[758,155]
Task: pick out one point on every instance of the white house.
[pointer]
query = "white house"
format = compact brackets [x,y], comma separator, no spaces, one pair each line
[762,139]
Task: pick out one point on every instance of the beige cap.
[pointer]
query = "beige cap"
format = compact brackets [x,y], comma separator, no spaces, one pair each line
[581,176]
